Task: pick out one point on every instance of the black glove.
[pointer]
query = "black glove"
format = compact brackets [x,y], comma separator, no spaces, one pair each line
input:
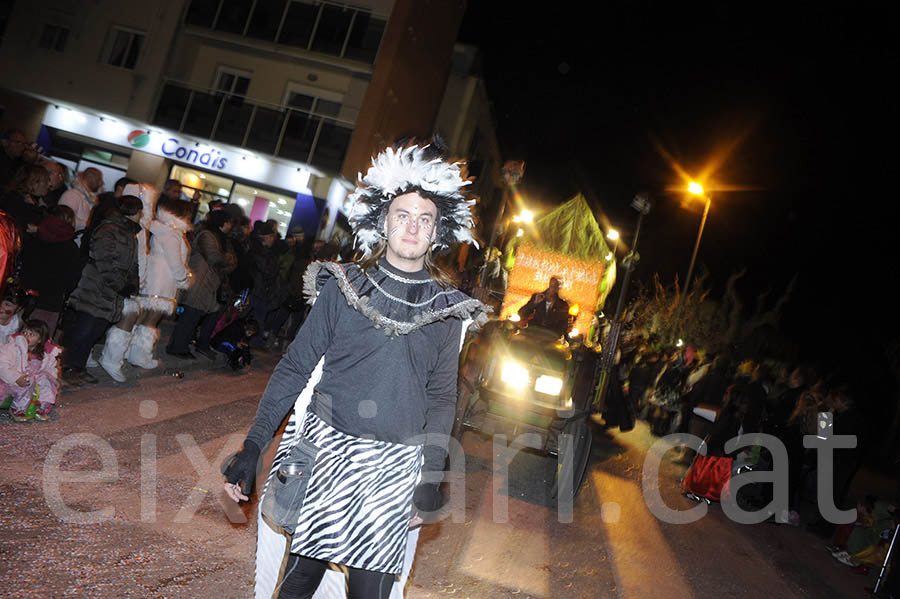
[241,467]
[427,498]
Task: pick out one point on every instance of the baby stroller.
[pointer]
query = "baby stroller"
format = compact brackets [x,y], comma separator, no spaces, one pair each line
[709,476]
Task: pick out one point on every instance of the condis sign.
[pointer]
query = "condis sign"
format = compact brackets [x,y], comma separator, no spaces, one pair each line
[211,158]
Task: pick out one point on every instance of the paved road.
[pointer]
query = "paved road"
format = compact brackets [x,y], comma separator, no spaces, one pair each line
[151,450]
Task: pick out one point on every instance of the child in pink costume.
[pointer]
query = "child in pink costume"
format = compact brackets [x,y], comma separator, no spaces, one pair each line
[29,371]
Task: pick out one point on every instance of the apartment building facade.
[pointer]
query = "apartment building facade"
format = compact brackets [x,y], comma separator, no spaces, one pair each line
[273,104]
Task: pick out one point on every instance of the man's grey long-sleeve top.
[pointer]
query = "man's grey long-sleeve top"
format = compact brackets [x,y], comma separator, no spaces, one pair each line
[391,388]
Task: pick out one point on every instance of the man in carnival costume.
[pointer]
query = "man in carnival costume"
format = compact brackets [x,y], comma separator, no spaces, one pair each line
[377,363]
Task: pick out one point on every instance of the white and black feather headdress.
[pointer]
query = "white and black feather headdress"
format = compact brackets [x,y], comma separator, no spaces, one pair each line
[404,170]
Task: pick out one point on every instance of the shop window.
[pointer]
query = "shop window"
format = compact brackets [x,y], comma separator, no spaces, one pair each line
[211,187]
[365,37]
[122,48]
[201,13]
[332,30]
[233,16]
[266,18]
[263,204]
[54,37]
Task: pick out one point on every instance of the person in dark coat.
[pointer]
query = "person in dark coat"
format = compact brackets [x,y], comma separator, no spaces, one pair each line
[21,200]
[110,276]
[241,277]
[212,259]
[546,309]
[708,391]
[106,202]
[12,146]
[52,265]
[264,268]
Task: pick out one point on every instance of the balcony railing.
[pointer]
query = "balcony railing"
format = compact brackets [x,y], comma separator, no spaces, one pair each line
[325,27]
[280,131]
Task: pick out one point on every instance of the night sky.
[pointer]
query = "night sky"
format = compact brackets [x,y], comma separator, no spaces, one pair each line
[786,109]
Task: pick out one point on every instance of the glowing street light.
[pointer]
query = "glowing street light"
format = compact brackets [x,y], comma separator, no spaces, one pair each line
[613,235]
[526,216]
[695,188]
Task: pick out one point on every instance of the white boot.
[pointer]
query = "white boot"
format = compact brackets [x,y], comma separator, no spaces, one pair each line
[142,345]
[113,352]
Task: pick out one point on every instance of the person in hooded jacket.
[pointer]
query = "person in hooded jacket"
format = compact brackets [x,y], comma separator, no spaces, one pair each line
[263,259]
[211,260]
[165,272]
[110,276]
[52,265]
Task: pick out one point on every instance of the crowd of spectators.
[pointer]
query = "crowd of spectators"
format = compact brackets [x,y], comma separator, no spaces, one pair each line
[718,398]
[96,272]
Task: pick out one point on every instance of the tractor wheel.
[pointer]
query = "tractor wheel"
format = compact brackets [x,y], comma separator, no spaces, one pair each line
[573,458]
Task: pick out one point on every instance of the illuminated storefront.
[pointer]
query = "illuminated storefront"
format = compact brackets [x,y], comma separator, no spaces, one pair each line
[264,187]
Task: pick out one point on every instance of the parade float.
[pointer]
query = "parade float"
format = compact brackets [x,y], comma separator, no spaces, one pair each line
[522,378]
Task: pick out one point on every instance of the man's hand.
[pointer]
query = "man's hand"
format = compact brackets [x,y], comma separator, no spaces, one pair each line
[241,468]
[539,297]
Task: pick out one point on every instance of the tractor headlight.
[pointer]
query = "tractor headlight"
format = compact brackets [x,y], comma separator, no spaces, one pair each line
[549,385]
[514,374]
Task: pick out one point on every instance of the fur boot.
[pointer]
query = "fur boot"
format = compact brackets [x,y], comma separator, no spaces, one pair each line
[117,342]
[142,346]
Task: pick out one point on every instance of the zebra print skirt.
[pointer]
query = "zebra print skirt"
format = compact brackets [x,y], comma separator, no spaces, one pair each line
[358,503]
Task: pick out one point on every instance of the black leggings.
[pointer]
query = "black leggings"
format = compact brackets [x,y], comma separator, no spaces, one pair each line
[303,575]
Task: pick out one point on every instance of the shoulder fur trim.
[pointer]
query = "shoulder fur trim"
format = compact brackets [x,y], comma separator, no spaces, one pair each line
[463,310]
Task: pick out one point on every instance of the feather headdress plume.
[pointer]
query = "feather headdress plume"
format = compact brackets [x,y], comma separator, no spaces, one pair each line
[404,170]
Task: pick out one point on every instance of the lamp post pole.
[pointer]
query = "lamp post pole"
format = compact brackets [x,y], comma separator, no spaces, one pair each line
[607,357]
[690,272]
[512,174]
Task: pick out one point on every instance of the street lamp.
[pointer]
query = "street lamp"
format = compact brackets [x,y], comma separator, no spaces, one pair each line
[613,235]
[697,190]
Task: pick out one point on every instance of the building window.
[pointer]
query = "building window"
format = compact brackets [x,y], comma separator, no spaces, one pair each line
[233,16]
[122,48]
[54,37]
[312,100]
[332,29]
[266,18]
[6,7]
[365,37]
[232,81]
[327,27]
[202,13]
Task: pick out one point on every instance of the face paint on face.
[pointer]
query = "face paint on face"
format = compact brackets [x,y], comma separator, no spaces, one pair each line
[7,310]
[32,338]
[409,228]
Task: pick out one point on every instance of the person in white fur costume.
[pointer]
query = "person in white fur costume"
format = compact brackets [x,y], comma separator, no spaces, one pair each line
[162,262]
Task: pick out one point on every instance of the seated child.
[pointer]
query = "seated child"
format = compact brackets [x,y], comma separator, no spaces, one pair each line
[234,342]
[29,372]
[11,306]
